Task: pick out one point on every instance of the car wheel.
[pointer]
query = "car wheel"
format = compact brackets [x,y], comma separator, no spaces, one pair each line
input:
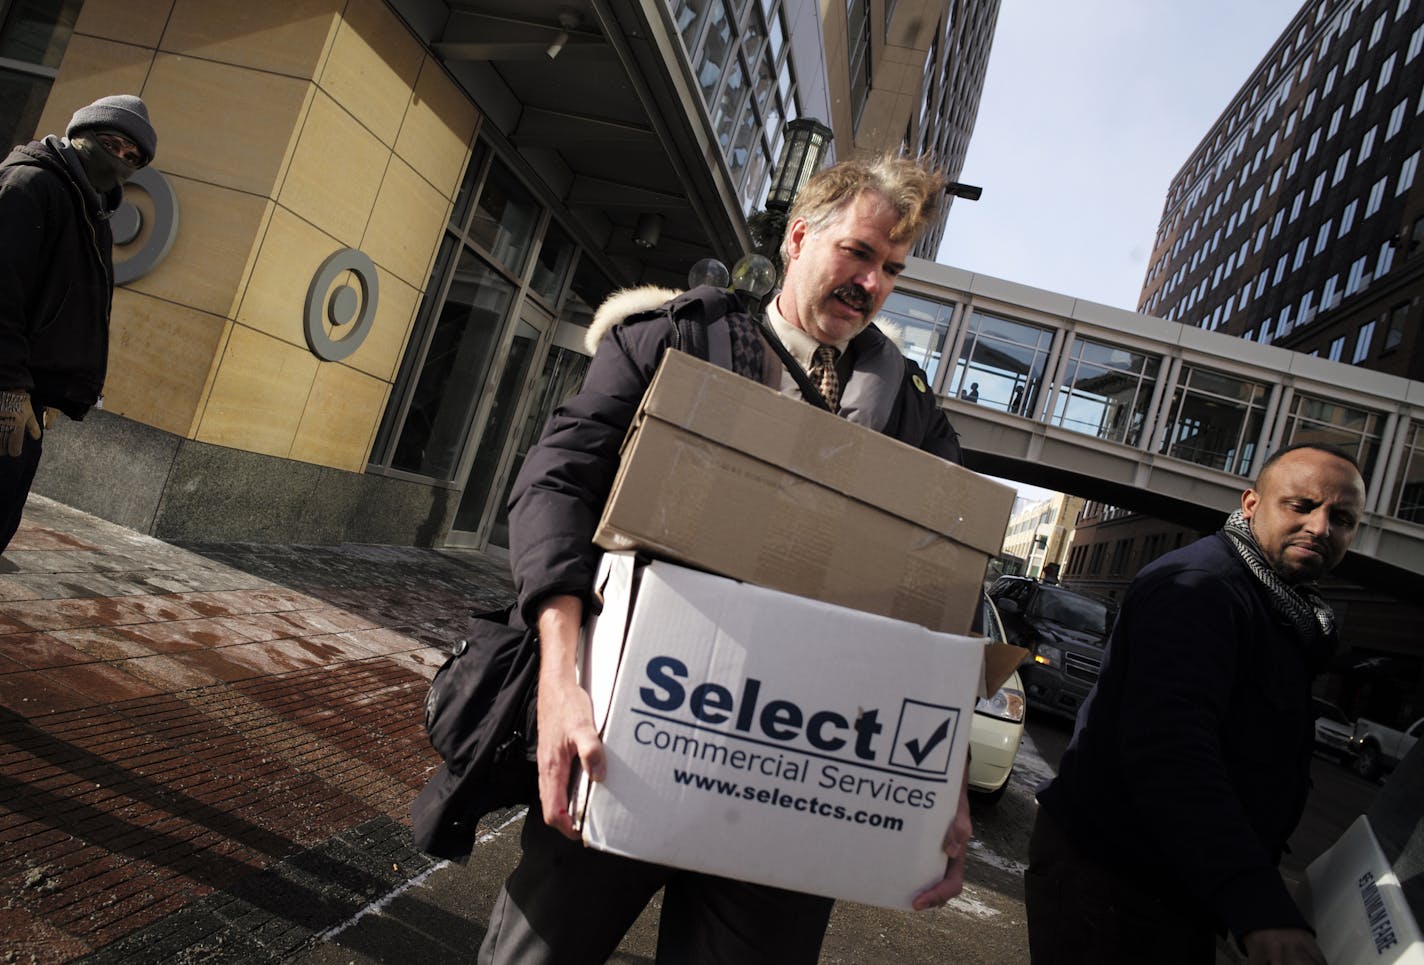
[1367,762]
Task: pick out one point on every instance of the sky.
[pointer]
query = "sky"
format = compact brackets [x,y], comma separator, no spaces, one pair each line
[1089,110]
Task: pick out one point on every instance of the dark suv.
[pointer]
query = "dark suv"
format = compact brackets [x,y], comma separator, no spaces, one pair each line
[1064,632]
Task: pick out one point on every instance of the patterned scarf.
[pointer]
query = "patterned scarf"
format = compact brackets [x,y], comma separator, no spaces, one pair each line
[1301,605]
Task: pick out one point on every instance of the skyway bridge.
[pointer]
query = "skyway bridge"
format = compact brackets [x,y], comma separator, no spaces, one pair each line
[1155,416]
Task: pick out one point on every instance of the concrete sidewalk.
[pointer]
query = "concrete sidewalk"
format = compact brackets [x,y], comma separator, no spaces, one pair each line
[208,753]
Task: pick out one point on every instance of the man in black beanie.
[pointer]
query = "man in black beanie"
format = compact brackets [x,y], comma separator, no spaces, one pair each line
[57,278]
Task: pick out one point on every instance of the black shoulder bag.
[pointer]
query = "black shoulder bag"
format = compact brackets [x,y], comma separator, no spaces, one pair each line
[480,717]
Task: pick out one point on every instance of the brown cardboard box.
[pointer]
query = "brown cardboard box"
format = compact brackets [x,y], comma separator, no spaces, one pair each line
[724,474]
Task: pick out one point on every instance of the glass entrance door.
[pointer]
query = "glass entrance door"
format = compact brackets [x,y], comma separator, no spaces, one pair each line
[512,428]
[493,456]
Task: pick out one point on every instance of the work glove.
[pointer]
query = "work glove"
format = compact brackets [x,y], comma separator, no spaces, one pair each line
[17,416]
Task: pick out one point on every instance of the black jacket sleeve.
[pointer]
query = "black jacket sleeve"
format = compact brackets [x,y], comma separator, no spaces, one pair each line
[25,209]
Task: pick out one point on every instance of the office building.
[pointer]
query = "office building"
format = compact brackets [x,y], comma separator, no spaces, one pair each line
[1298,219]
[1041,533]
[356,280]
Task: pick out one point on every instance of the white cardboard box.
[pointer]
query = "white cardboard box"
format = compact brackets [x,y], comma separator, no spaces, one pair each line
[1358,906]
[762,736]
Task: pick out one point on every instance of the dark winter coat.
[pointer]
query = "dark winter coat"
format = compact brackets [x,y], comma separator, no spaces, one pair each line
[1190,765]
[56,280]
[565,480]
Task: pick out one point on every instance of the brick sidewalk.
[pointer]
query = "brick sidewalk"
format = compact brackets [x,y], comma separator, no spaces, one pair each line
[209,753]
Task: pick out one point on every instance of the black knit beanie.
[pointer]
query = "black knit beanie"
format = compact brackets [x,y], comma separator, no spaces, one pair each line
[124,113]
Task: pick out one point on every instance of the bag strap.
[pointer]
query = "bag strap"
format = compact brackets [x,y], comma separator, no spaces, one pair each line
[690,336]
[803,381]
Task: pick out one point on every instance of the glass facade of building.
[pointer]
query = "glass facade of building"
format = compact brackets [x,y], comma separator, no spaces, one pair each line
[494,347]
[739,52]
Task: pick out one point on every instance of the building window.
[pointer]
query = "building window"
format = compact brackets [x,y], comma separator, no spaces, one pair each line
[1337,349]
[1353,57]
[1008,359]
[924,323]
[1362,342]
[1409,496]
[1416,42]
[1122,552]
[1106,390]
[1376,196]
[1361,93]
[858,45]
[1335,119]
[1394,335]
[1342,165]
[1386,72]
[1323,238]
[33,37]
[1396,119]
[1367,143]
[1357,279]
[1406,174]
[461,340]
[1386,259]
[1215,420]
[1328,297]
[1307,314]
[1355,430]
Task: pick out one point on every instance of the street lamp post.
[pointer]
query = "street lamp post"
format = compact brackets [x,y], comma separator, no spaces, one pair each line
[807,142]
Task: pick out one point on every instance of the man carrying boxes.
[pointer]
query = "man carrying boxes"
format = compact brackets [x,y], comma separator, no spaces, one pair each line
[847,240]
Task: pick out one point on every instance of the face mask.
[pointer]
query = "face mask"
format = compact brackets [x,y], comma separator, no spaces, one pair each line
[106,171]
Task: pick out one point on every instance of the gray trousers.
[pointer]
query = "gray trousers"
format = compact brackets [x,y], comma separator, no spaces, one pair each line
[565,903]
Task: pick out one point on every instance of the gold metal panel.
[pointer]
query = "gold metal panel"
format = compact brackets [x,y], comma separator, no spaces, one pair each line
[128,21]
[258,394]
[438,128]
[372,67]
[160,354]
[275,298]
[94,68]
[218,229]
[226,125]
[335,172]
[406,224]
[285,38]
[340,418]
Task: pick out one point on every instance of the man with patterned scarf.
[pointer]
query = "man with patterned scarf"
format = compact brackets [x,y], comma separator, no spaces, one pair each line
[1190,763]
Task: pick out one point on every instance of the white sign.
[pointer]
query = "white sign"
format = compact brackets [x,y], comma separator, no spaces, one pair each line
[766,737]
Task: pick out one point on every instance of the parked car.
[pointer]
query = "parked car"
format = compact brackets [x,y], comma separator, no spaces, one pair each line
[1065,633]
[1333,730]
[1378,748]
[997,728]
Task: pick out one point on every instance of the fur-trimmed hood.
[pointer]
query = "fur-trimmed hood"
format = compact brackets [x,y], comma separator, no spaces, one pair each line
[621,304]
[645,298]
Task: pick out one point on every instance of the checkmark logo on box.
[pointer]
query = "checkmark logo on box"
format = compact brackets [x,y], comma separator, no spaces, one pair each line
[924,737]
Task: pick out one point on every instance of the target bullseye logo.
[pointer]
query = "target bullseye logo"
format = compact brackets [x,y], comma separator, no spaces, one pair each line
[332,299]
